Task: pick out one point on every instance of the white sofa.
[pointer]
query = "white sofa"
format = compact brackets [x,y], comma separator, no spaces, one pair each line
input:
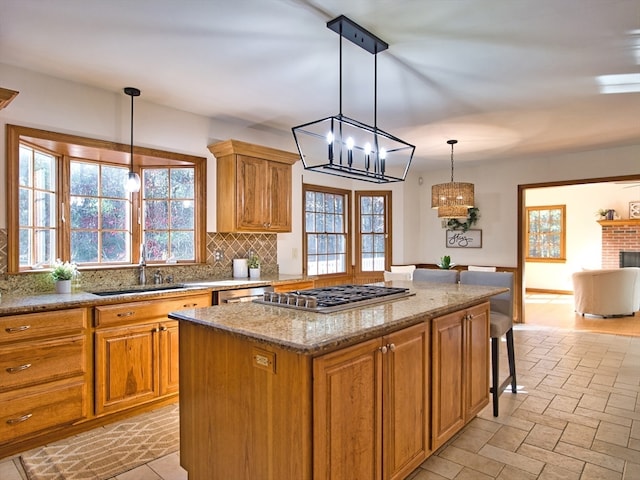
[607,292]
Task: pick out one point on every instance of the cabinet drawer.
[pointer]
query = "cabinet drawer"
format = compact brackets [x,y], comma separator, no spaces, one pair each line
[29,363]
[39,410]
[37,325]
[287,287]
[122,313]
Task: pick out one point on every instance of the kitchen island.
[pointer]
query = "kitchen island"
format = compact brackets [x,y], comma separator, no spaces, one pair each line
[268,392]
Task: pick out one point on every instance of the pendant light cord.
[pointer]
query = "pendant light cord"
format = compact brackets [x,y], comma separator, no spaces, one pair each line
[451,163]
[340,58]
[375,88]
[452,143]
[131,143]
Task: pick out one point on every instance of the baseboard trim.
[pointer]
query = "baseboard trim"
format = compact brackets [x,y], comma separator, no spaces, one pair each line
[545,290]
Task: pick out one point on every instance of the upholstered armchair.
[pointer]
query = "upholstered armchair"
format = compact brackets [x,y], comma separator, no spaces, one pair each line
[607,292]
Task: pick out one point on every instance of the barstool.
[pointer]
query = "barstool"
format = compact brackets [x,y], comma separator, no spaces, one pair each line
[501,323]
[433,275]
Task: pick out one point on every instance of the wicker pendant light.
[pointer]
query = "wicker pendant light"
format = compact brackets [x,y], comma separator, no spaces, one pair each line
[452,199]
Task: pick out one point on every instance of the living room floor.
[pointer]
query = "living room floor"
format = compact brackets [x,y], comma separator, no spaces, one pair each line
[576,414]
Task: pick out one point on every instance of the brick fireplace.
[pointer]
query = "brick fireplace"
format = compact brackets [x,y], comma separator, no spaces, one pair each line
[619,236]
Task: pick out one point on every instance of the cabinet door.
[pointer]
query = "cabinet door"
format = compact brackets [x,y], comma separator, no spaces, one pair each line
[347,414]
[406,401]
[448,414]
[252,208]
[169,357]
[477,360]
[126,367]
[279,194]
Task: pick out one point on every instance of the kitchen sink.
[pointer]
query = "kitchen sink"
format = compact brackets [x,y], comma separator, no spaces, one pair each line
[142,289]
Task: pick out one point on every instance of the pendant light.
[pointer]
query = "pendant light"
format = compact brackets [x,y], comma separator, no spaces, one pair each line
[339,145]
[133,179]
[452,199]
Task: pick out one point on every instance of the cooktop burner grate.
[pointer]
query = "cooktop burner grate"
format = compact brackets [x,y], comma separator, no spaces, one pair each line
[334,298]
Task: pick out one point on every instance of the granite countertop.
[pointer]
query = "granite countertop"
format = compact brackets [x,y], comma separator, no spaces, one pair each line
[18,304]
[312,333]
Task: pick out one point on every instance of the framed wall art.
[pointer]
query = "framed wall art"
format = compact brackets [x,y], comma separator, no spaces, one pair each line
[634,209]
[460,239]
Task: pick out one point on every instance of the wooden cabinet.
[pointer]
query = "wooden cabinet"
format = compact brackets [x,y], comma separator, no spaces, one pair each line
[245,408]
[460,370]
[253,188]
[45,372]
[372,410]
[137,351]
[371,407]
[296,285]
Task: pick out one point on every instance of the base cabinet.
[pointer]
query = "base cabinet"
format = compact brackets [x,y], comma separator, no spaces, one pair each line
[136,349]
[371,408]
[460,370]
[45,372]
[297,285]
[347,414]
[369,411]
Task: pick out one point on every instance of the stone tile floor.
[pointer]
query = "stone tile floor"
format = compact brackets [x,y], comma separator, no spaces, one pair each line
[576,414]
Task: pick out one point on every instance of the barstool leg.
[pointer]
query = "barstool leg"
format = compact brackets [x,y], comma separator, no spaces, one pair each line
[512,361]
[495,392]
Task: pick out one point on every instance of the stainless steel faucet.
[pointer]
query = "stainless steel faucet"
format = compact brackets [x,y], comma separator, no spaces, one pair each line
[142,267]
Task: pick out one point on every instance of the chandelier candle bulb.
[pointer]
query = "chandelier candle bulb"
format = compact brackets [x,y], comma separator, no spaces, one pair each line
[367,152]
[330,146]
[350,151]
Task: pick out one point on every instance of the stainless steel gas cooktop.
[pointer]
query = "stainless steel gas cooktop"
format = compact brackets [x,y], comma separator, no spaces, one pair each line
[335,298]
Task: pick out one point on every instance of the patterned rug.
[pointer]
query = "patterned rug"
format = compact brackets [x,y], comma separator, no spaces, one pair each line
[104,452]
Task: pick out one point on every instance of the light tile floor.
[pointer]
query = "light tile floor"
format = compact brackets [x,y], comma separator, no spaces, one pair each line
[576,414]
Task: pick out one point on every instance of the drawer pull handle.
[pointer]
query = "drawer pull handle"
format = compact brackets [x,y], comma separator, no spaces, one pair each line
[21,328]
[18,369]
[189,305]
[163,329]
[23,418]
[126,314]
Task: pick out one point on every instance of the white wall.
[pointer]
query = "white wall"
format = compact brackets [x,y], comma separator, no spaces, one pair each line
[496,190]
[58,105]
[584,233]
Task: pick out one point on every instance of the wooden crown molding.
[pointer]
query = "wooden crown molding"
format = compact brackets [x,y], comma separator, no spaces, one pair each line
[6,97]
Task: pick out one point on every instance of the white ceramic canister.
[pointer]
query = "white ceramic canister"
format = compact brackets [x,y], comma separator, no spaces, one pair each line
[240,268]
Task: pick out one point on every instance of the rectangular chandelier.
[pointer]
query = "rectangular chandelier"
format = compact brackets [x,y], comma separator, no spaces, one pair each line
[341,146]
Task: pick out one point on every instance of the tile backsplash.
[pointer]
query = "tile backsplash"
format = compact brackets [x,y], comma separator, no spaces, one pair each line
[222,248]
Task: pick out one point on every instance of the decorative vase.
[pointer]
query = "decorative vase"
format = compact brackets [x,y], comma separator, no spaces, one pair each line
[254,272]
[63,286]
[610,214]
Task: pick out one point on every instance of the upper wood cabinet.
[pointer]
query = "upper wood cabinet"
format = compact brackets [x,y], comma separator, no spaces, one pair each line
[253,187]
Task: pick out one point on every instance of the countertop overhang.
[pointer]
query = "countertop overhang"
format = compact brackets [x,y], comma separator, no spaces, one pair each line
[311,333]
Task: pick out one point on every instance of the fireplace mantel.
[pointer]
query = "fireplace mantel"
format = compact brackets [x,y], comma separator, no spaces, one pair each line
[617,223]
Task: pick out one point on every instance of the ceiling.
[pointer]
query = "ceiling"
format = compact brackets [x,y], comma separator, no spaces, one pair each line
[505,77]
